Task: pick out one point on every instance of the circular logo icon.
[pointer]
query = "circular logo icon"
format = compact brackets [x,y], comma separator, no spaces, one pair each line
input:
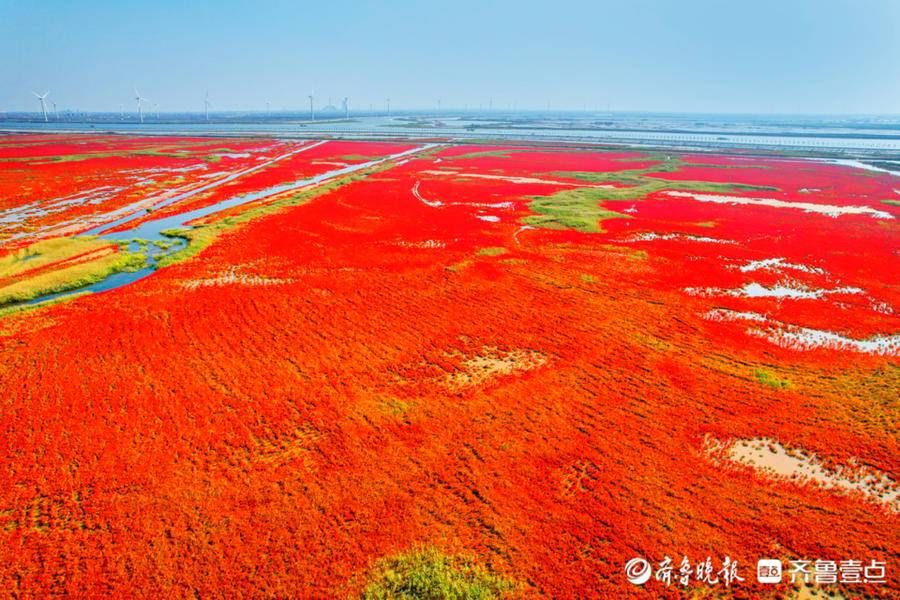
[637,570]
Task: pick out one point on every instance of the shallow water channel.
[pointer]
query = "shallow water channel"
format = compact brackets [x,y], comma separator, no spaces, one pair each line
[149,237]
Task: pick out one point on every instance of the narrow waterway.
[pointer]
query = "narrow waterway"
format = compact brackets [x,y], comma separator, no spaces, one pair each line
[132,215]
[150,232]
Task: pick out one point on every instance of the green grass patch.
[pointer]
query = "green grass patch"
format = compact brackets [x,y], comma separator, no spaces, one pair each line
[459,266]
[580,208]
[664,164]
[891,202]
[771,380]
[196,238]
[654,343]
[482,154]
[491,251]
[45,252]
[165,244]
[627,252]
[160,153]
[357,158]
[428,574]
[67,276]
[577,209]
[641,184]
[16,308]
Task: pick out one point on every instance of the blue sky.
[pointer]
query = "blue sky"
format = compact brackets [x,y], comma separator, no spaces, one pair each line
[784,56]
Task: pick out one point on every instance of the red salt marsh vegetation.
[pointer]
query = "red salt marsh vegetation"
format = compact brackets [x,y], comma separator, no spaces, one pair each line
[54,185]
[515,367]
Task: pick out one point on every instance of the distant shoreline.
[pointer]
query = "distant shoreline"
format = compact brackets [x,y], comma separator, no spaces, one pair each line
[887,160]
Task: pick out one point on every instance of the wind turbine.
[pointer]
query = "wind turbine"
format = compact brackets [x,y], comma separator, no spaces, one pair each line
[43,104]
[388,100]
[268,108]
[156,110]
[312,111]
[140,104]
[55,113]
[206,105]
[346,105]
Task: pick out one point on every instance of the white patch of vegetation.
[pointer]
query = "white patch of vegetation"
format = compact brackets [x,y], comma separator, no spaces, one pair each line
[794,337]
[830,210]
[791,290]
[513,179]
[724,314]
[777,265]
[651,236]
[422,199]
[805,338]
[520,230]
[234,277]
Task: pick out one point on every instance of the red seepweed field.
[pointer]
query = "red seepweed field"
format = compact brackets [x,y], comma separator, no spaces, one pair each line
[536,363]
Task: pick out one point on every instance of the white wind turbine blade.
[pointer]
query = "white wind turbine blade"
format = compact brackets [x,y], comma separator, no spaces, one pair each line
[43,103]
[140,100]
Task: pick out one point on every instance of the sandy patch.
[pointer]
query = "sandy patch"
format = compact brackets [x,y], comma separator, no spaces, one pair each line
[830,210]
[233,277]
[422,244]
[492,363]
[770,458]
